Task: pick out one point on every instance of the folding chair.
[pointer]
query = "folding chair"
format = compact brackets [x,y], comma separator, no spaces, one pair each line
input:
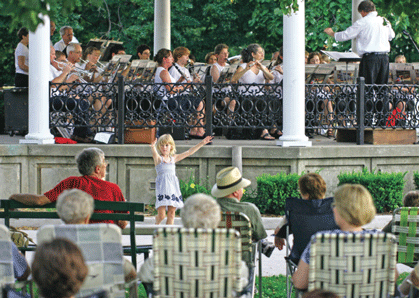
[405,227]
[353,264]
[101,245]
[196,263]
[305,218]
[7,279]
[241,223]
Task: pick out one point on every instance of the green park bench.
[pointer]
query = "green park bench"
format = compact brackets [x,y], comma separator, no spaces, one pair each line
[14,209]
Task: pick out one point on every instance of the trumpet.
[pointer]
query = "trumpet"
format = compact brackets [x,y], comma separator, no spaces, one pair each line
[98,68]
[77,70]
[61,64]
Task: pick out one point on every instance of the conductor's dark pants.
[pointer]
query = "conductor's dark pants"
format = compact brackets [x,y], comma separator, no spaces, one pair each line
[374,68]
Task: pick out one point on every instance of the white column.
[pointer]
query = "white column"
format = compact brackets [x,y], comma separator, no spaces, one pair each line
[38,107]
[355,17]
[294,83]
[161,25]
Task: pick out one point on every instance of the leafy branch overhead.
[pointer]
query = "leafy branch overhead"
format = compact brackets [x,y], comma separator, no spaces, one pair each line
[27,13]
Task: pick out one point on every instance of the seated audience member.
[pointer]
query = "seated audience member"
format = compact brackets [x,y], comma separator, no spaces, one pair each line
[143,52]
[76,207]
[313,208]
[411,280]
[21,269]
[251,71]
[228,191]
[59,269]
[320,294]
[67,37]
[400,59]
[92,165]
[182,75]
[199,211]
[353,208]
[411,199]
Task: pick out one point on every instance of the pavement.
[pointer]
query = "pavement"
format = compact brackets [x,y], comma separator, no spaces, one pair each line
[317,140]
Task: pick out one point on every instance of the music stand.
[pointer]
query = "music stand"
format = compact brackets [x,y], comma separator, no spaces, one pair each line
[107,53]
[343,57]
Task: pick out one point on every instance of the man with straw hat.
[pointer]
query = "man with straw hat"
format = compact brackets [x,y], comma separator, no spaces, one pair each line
[228,191]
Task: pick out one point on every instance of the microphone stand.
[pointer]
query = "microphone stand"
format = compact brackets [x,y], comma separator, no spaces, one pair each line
[414,43]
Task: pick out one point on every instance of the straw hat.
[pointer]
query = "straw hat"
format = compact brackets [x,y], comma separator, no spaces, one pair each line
[228,181]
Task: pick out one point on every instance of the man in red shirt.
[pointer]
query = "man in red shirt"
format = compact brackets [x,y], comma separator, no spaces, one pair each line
[92,166]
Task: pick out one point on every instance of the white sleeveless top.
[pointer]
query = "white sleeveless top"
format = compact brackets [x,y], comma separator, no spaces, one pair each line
[159,89]
[250,77]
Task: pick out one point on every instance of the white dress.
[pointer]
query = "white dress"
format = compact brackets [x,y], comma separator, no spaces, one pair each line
[167,185]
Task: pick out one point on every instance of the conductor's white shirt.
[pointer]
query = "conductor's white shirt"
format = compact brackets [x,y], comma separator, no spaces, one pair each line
[371,34]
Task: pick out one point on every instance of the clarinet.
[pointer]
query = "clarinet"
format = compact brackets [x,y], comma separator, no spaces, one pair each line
[181,73]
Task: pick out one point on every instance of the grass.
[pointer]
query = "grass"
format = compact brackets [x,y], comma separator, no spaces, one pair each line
[272,287]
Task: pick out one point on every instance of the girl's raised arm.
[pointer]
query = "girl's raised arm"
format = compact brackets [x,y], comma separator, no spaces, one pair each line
[156,156]
[179,157]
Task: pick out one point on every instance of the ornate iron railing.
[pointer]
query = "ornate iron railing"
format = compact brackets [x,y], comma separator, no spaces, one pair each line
[84,108]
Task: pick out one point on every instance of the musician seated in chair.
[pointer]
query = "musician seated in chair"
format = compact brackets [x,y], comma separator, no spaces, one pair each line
[182,75]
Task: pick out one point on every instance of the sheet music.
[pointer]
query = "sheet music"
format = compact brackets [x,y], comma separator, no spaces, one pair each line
[342,56]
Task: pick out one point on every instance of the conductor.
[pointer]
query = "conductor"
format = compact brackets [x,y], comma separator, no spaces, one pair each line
[372,34]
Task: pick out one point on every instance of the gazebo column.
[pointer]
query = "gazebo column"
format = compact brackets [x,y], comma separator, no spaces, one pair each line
[294,82]
[161,25]
[355,17]
[39,70]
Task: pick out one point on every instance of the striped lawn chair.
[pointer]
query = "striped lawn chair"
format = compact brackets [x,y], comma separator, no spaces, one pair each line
[241,223]
[405,227]
[101,245]
[353,264]
[196,263]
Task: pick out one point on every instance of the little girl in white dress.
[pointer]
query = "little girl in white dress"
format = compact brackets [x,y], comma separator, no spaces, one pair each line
[168,196]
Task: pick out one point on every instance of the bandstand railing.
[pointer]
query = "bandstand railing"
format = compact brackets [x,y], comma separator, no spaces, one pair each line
[232,107]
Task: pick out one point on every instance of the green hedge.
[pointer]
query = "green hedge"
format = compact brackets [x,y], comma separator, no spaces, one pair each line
[385,188]
[272,190]
[416,179]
